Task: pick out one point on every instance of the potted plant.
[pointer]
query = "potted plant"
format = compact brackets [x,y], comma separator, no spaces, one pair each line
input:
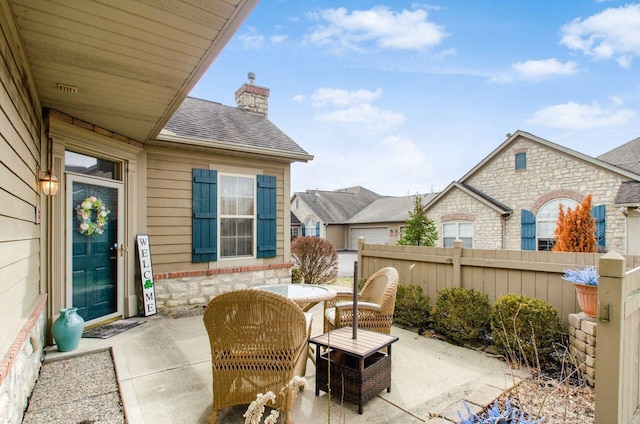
[586,283]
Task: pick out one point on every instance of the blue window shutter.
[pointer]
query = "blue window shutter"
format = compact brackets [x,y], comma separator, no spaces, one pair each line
[599,214]
[304,229]
[266,236]
[528,230]
[204,222]
[318,229]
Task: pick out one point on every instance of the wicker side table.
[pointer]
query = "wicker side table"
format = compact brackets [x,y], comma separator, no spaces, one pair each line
[359,368]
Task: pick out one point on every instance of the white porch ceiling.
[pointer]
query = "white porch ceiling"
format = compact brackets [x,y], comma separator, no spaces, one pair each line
[132,61]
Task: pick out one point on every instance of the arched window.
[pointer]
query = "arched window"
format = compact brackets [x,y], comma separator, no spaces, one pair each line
[547,220]
[311,228]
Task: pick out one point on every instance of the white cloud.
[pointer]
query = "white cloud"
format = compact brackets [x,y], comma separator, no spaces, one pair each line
[299,98]
[538,70]
[277,39]
[341,98]
[353,31]
[250,41]
[370,116]
[612,33]
[577,116]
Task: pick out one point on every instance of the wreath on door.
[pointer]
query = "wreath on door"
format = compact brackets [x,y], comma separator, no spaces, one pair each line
[93,216]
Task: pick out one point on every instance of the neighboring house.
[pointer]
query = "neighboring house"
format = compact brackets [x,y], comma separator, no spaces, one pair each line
[343,216]
[89,100]
[325,213]
[296,227]
[510,199]
[383,221]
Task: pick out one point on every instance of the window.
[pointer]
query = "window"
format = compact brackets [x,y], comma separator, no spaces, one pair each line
[457,230]
[234,216]
[237,196]
[297,204]
[521,161]
[547,219]
[89,165]
[311,228]
[295,232]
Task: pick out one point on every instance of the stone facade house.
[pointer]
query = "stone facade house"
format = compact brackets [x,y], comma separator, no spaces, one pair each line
[342,216]
[510,199]
[100,111]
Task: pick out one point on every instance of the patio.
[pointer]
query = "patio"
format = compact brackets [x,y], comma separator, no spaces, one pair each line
[163,368]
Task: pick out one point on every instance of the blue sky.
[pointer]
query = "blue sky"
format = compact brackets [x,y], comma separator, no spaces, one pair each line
[405,97]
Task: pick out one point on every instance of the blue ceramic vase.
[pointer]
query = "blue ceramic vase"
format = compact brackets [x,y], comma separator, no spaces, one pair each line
[67,329]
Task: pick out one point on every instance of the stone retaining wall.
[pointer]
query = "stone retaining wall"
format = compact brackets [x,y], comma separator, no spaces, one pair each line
[176,291]
[20,367]
[582,344]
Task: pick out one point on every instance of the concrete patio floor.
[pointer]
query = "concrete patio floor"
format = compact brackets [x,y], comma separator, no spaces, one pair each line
[164,372]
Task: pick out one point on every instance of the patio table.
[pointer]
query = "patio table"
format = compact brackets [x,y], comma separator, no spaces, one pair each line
[305,296]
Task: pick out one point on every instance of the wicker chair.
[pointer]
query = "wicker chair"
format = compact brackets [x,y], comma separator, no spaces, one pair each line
[376,302]
[259,341]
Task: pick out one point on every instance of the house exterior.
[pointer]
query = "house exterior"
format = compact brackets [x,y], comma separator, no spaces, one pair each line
[105,108]
[510,199]
[325,213]
[383,221]
[343,216]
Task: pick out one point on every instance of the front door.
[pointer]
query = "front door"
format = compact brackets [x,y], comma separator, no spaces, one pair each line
[95,231]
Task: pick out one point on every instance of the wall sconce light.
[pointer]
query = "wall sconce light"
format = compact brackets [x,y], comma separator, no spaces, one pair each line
[49,183]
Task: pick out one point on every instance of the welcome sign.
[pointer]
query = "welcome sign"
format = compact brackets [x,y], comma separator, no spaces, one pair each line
[146,274]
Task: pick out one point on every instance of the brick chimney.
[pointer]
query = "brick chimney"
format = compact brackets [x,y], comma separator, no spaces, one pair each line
[253,98]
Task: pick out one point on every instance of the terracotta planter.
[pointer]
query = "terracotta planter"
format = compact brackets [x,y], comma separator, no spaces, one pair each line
[588,299]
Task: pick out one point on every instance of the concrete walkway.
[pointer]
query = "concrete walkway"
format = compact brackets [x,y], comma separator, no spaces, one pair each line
[164,371]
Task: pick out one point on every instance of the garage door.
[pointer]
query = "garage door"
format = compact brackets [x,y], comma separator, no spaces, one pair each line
[378,235]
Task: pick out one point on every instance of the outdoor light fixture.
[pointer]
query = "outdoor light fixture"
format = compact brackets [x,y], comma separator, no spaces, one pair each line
[48,181]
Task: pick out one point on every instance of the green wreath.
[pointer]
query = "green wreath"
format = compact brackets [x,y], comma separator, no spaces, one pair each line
[85,211]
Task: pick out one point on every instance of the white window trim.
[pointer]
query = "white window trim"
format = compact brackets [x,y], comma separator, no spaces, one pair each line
[457,224]
[254,247]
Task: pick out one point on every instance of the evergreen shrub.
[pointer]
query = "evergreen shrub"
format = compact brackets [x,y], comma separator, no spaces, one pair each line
[462,315]
[525,329]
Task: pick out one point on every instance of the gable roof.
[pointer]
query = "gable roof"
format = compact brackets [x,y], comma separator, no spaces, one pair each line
[388,209]
[339,205]
[596,162]
[210,124]
[492,203]
[626,156]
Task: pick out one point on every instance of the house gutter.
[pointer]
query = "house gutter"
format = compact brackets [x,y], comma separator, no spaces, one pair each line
[204,144]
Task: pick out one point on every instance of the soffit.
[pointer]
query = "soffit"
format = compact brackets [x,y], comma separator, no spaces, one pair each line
[133,62]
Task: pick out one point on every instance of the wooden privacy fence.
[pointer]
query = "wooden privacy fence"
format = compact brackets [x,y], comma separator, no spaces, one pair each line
[494,272]
[617,352]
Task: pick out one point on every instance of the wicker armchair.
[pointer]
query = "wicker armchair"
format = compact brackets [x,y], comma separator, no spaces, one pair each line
[376,302]
[259,341]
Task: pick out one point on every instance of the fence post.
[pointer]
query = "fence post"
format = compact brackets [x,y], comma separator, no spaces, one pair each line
[609,347]
[457,267]
[360,263]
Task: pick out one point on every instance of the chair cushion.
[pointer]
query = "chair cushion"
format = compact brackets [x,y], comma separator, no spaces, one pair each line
[330,315]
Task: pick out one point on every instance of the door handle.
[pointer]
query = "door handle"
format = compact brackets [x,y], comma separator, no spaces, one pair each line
[123,249]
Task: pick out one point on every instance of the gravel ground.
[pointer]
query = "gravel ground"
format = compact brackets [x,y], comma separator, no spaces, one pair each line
[78,390]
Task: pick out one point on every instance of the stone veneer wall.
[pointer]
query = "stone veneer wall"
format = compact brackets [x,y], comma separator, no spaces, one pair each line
[20,367]
[548,170]
[582,344]
[183,290]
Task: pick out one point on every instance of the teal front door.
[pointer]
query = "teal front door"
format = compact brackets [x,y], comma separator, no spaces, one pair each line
[94,222]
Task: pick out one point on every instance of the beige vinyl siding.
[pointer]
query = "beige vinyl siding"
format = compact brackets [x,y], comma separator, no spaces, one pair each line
[336,235]
[169,204]
[20,128]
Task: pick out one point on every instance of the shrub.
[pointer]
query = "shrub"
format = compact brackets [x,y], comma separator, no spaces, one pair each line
[316,259]
[525,329]
[576,229]
[462,314]
[412,307]
[296,276]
